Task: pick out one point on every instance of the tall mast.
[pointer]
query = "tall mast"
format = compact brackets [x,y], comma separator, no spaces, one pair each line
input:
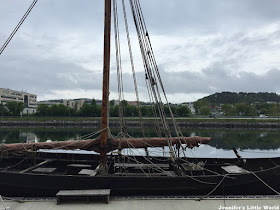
[105,95]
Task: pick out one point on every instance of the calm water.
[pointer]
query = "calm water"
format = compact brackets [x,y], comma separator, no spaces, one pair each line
[249,143]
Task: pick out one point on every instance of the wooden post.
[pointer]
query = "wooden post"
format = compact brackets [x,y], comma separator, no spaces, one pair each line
[106,76]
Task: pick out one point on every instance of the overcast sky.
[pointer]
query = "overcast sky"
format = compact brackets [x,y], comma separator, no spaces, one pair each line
[201,47]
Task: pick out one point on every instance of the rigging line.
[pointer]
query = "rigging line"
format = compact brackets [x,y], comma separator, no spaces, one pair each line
[144,60]
[134,158]
[153,63]
[148,160]
[151,54]
[131,148]
[143,52]
[63,146]
[147,63]
[133,69]
[153,110]
[118,62]
[18,26]
[9,167]
[89,135]
[152,77]
[156,94]
[119,66]
[149,71]
[156,168]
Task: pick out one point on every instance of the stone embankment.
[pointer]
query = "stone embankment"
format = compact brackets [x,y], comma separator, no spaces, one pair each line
[132,123]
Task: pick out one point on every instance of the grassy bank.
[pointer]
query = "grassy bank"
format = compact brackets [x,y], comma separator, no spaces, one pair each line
[186,119]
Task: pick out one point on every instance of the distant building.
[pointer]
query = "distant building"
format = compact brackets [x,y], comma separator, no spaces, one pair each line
[71,103]
[190,106]
[28,99]
[132,103]
[53,102]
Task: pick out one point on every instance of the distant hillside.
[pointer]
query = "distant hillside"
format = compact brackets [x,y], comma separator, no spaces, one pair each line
[241,97]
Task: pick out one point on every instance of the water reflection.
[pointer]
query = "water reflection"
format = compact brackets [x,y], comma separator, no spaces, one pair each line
[249,143]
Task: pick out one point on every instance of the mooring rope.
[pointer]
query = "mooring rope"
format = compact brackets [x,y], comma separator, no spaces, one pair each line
[265,183]
[214,188]
[3,202]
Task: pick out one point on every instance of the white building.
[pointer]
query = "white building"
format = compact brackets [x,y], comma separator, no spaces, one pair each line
[190,106]
[71,103]
[53,102]
[28,99]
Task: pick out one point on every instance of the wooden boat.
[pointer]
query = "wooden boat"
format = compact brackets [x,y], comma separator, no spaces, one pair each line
[27,171]
[47,173]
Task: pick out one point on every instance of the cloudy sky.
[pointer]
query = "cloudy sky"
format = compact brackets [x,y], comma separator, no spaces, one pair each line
[201,47]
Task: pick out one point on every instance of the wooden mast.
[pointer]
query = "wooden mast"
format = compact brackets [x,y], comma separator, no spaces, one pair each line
[105,95]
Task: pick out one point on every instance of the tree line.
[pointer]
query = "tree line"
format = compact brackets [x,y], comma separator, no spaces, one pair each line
[204,107]
[241,97]
[11,108]
[91,110]
[94,110]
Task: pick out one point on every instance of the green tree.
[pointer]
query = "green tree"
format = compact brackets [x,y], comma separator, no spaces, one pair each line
[3,110]
[275,110]
[229,110]
[144,111]
[201,104]
[205,110]
[15,107]
[251,110]
[112,103]
[183,111]
[93,102]
[85,110]
[114,111]
[62,110]
[130,111]
[95,110]
[43,110]
[241,108]
[124,103]
[90,110]
[246,109]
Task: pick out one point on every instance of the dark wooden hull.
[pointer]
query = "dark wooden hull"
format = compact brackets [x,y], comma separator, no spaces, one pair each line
[28,184]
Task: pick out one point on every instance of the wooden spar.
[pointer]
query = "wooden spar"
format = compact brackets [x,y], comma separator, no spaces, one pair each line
[106,76]
[93,144]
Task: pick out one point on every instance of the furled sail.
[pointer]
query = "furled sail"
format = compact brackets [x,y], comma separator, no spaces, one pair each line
[113,144]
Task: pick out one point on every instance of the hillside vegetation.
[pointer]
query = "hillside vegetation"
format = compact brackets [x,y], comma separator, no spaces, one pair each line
[241,97]
[239,104]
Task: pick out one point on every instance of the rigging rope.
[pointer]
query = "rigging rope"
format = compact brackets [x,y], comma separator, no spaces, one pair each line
[152,75]
[18,26]
[133,69]
[119,67]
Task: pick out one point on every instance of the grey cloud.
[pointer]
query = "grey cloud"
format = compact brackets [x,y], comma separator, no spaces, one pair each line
[35,60]
[42,77]
[218,79]
[209,16]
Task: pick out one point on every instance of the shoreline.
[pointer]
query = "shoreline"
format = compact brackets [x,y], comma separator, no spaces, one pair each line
[184,123]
